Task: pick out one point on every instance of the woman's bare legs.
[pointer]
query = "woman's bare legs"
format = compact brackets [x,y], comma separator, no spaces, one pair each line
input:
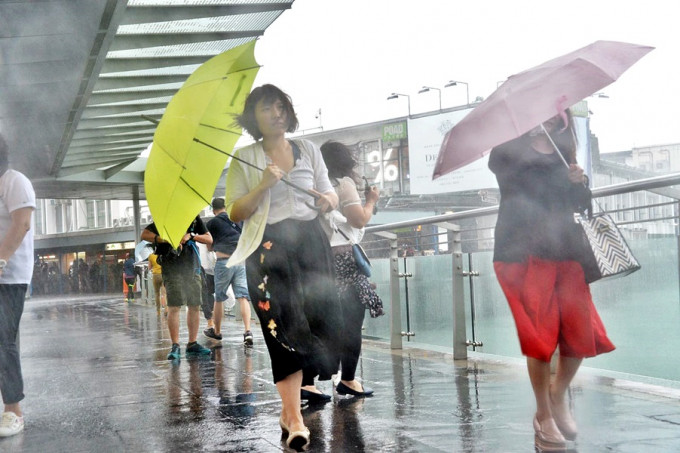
[289,390]
[566,370]
[539,374]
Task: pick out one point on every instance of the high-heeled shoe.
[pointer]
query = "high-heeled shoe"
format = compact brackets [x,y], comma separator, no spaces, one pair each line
[548,442]
[564,420]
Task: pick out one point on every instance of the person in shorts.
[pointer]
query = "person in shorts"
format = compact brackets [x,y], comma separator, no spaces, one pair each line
[225,235]
[181,269]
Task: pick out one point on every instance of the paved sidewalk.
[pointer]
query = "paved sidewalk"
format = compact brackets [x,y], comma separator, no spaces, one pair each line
[97,380]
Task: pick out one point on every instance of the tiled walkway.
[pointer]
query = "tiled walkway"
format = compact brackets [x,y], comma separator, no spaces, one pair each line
[97,380]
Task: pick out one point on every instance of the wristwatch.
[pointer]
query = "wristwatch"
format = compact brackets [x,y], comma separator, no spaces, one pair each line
[3,263]
[192,234]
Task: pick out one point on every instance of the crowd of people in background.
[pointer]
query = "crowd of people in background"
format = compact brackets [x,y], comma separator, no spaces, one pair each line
[81,277]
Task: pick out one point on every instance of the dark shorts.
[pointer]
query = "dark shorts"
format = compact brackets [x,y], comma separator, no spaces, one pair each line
[183,290]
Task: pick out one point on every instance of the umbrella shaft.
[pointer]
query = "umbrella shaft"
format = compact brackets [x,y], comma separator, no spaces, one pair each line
[293,185]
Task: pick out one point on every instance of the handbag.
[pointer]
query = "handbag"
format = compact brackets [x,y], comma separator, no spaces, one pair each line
[606,253]
[361,260]
[360,257]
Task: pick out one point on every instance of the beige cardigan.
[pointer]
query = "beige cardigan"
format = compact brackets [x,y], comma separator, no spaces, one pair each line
[254,226]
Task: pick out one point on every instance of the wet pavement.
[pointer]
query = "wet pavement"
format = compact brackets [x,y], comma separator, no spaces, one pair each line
[97,380]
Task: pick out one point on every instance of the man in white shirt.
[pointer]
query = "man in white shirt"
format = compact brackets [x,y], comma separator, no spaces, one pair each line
[17,203]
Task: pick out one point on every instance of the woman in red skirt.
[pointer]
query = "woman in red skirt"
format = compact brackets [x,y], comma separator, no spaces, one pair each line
[536,259]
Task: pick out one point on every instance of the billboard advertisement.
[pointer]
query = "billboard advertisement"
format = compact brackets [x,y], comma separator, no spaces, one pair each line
[425,136]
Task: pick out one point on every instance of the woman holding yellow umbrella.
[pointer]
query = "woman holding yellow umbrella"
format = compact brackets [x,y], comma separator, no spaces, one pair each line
[288,258]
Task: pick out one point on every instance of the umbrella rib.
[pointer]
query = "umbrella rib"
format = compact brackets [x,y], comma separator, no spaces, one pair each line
[226,76]
[219,129]
[291,184]
[194,190]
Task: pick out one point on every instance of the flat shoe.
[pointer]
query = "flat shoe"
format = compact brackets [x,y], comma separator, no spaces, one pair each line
[546,442]
[298,440]
[284,427]
[342,389]
[314,397]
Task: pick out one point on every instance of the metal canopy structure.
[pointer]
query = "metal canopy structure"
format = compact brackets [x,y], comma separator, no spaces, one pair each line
[81,82]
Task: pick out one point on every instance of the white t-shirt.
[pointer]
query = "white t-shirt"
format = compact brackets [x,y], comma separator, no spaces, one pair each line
[347,195]
[207,258]
[16,192]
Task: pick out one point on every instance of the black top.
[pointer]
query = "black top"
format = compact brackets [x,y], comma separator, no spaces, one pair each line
[538,202]
[225,233]
[186,260]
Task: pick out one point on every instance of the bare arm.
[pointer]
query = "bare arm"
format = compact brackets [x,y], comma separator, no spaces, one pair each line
[21,224]
[358,216]
[205,238]
[245,206]
[150,236]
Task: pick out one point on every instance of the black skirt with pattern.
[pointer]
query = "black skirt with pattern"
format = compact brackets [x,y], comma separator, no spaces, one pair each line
[291,281]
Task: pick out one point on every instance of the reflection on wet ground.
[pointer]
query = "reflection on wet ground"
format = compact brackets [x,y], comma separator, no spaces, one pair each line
[97,379]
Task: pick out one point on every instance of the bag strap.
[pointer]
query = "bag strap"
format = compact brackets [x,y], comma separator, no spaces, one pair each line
[229,222]
[343,234]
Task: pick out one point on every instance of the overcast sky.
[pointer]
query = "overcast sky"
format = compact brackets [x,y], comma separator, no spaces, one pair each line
[346,56]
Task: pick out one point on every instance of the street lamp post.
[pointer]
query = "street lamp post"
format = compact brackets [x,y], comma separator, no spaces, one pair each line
[453,83]
[408,98]
[439,92]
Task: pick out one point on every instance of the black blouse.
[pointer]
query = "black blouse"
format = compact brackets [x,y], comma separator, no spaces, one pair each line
[538,202]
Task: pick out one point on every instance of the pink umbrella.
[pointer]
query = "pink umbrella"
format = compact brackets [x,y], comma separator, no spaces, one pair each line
[532,97]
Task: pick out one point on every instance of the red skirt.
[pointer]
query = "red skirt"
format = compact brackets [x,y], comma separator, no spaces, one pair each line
[552,306]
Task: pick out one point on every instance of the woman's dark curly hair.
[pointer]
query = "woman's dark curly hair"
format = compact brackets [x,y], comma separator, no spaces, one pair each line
[268,94]
[339,160]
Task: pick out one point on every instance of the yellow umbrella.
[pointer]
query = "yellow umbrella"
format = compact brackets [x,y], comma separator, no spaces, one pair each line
[191,142]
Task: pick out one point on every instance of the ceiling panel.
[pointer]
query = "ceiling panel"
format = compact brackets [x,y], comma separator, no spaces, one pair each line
[82,82]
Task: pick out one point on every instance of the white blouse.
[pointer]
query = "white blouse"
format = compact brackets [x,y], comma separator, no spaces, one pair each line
[281,201]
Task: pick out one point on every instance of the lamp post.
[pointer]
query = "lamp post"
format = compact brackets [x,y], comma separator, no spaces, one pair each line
[396,95]
[453,83]
[439,92]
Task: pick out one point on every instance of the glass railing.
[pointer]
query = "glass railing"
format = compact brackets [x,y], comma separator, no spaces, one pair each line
[641,311]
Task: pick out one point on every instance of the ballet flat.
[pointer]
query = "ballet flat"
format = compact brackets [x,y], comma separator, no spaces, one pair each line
[298,440]
[343,389]
[313,397]
[283,425]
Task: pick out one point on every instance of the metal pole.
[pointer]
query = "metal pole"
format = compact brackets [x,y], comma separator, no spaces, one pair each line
[459,333]
[408,334]
[472,302]
[136,213]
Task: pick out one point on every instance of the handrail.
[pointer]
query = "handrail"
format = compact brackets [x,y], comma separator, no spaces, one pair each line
[449,223]
[614,189]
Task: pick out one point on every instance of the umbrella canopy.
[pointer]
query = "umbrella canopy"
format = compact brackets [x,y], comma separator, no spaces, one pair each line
[181,172]
[533,96]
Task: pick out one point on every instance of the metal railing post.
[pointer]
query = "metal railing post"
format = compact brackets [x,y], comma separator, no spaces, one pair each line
[395,299]
[458,280]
